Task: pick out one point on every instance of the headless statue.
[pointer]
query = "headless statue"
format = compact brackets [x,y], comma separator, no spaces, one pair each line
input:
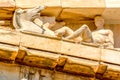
[100,35]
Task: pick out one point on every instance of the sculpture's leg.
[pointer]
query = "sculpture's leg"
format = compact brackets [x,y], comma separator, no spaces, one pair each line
[84,31]
[108,45]
[64,31]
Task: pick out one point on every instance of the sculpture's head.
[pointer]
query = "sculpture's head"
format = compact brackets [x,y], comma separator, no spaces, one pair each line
[99,21]
[34,11]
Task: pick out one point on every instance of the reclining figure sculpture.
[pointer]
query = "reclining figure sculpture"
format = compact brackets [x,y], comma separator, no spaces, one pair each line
[100,36]
[28,20]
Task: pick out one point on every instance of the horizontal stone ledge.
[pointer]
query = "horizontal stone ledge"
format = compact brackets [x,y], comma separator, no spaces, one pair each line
[29,3]
[78,69]
[72,65]
[8,52]
[63,3]
[70,3]
[53,61]
[63,47]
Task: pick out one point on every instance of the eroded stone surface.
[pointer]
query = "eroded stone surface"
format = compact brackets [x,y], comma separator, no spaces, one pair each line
[83,3]
[7,3]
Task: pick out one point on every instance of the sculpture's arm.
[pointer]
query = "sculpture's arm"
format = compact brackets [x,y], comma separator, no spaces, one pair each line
[110,35]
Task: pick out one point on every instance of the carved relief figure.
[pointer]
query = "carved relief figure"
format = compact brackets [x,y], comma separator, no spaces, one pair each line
[46,25]
[100,35]
[30,20]
[22,19]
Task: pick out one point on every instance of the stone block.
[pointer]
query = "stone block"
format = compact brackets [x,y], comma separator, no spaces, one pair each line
[111,15]
[64,76]
[83,3]
[112,3]
[52,2]
[33,3]
[37,61]
[110,74]
[81,13]
[51,11]
[80,69]
[110,56]
[8,52]
[28,3]
[7,3]
[6,16]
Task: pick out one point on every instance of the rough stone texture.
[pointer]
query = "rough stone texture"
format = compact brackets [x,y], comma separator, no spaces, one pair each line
[64,76]
[33,3]
[76,63]
[115,76]
[15,72]
[86,8]
[116,30]
[6,15]
[84,70]
[63,10]
[52,11]
[111,15]
[52,3]
[6,12]
[63,47]
[83,3]
[28,3]
[63,3]
[80,14]
[37,61]
[9,71]
[7,3]
[7,52]
[82,9]
[112,3]
[14,39]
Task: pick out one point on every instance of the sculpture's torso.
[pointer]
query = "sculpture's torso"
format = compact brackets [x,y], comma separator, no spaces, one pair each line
[101,36]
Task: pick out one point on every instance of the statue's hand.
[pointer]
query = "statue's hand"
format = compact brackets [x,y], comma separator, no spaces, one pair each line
[42,7]
[58,33]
